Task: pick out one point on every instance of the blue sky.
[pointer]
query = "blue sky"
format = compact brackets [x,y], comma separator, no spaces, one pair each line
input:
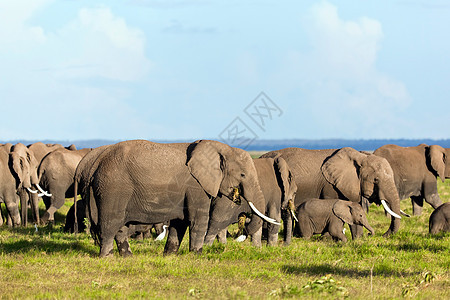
[72,70]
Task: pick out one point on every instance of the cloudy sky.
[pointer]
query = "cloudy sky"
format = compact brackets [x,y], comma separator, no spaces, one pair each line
[155,69]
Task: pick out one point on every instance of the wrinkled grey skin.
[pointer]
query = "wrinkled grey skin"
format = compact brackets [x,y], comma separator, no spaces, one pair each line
[56,173]
[278,187]
[320,216]
[344,174]
[135,231]
[144,182]
[416,170]
[40,150]
[8,188]
[440,219]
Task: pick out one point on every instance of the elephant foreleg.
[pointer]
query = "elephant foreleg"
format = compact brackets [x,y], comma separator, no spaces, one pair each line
[417,205]
[35,207]
[287,224]
[122,242]
[177,229]
[256,237]
[222,236]
[357,231]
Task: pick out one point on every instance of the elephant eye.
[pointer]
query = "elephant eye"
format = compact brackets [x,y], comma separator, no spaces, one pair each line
[242,175]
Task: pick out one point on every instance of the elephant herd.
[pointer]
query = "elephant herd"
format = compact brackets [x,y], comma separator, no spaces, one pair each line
[207,185]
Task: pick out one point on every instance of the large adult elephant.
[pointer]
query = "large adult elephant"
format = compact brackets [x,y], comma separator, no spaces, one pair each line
[416,170]
[8,188]
[40,150]
[24,169]
[141,182]
[278,186]
[343,174]
[56,172]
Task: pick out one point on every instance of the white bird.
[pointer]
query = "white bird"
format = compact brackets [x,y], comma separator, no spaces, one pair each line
[241,238]
[162,234]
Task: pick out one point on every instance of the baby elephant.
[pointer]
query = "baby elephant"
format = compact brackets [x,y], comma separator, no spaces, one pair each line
[440,219]
[320,216]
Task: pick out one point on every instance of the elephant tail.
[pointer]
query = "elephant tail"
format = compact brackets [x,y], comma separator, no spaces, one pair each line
[93,215]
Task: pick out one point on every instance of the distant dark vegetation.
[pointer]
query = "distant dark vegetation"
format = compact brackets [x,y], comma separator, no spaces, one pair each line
[268,145]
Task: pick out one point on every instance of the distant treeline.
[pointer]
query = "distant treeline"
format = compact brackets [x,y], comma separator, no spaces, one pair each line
[267,145]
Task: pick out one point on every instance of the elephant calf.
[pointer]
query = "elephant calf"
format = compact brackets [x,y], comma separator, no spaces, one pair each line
[440,219]
[320,216]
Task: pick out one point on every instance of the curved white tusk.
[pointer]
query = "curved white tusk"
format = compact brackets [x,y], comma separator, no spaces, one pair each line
[405,214]
[42,191]
[386,207]
[343,230]
[162,234]
[31,191]
[40,194]
[265,218]
[293,215]
[241,238]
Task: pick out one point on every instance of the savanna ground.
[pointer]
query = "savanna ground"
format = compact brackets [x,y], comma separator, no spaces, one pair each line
[51,264]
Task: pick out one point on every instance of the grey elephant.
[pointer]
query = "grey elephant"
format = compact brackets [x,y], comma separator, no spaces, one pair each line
[321,216]
[278,186]
[24,169]
[440,219]
[416,170]
[56,172]
[344,174]
[39,151]
[144,182]
[8,194]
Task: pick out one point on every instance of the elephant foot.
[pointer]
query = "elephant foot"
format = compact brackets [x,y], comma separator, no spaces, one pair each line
[388,233]
[170,248]
[196,251]
[124,249]
[106,251]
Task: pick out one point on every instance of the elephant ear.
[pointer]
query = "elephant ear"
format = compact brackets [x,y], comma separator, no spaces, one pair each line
[17,166]
[343,211]
[286,176]
[437,160]
[206,165]
[341,170]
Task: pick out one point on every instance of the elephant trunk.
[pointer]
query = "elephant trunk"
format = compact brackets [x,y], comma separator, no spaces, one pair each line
[256,201]
[391,203]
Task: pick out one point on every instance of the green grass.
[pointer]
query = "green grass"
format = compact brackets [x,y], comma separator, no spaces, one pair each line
[51,264]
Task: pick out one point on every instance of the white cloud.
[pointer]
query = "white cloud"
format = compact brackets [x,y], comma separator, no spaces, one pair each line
[73,81]
[340,79]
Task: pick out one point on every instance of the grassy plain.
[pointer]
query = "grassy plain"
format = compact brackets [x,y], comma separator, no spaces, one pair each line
[49,264]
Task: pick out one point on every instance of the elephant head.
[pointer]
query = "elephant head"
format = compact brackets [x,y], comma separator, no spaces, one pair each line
[351,213]
[359,176]
[24,166]
[438,159]
[223,170]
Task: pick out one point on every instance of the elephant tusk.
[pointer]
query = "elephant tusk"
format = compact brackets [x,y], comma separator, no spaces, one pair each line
[40,194]
[31,191]
[241,238]
[42,191]
[270,220]
[386,207]
[162,234]
[293,215]
[405,214]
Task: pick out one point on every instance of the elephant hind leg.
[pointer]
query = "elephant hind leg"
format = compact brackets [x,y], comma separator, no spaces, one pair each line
[177,230]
